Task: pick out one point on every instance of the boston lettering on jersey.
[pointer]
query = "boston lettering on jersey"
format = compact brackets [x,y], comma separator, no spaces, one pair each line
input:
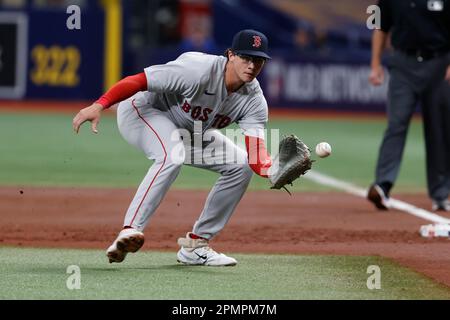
[202,114]
[192,88]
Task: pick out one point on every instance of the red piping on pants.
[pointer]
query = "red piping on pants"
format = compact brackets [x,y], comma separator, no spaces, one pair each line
[165,157]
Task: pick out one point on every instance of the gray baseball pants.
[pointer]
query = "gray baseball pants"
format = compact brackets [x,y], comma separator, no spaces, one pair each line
[151,131]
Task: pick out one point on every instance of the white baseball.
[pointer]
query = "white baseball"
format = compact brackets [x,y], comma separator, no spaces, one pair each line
[323,149]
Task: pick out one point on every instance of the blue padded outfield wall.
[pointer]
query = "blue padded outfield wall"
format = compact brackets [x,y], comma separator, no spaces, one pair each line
[65,63]
[53,62]
[290,81]
[59,63]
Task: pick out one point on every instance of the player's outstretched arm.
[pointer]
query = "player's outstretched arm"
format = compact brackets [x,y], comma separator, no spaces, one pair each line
[122,90]
[91,113]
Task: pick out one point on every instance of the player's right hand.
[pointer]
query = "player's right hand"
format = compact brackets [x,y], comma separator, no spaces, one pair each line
[376,76]
[91,113]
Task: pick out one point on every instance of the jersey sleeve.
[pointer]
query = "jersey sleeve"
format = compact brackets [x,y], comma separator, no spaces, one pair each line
[259,159]
[123,89]
[181,76]
[254,120]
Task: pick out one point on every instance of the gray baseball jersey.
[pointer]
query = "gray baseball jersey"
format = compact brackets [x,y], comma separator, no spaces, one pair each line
[191,88]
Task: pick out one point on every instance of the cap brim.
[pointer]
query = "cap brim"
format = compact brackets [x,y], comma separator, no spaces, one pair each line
[253,53]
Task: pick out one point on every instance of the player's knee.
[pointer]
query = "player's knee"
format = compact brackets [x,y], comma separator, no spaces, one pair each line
[174,164]
[171,168]
[176,155]
[177,160]
[247,172]
[241,169]
[171,161]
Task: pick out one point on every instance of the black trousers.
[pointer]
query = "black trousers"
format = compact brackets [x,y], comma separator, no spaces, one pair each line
[412,82]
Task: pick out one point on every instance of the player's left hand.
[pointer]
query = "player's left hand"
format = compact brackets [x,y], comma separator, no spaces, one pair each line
[292,161]
[91,113]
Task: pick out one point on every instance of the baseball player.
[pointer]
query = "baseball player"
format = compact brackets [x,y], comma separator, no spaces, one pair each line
[198,93]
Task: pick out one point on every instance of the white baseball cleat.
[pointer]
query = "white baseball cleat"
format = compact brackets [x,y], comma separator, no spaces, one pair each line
[197,252]
[204,256]
[128,240]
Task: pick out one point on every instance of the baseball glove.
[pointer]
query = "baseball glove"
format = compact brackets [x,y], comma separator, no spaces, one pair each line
[292,161]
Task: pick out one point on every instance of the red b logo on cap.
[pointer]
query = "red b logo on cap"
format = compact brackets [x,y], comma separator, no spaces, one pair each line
[256,41]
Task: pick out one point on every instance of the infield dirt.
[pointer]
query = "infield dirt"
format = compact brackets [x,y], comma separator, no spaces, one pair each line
[268,221]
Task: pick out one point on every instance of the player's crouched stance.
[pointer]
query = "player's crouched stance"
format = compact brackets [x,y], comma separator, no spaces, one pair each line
[215,91]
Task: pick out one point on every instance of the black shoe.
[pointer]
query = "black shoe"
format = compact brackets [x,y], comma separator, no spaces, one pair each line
[443,205]
[377,196]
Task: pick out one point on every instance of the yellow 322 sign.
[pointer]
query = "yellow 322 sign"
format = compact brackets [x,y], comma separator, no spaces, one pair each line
[55,66]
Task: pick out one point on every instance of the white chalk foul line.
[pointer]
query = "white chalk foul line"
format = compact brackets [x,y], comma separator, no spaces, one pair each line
[360,192]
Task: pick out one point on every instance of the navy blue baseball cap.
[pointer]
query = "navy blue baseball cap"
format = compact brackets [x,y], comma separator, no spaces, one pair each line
[252,43]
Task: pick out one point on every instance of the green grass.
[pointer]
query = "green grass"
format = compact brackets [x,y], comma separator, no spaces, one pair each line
[42,150]
[42,274]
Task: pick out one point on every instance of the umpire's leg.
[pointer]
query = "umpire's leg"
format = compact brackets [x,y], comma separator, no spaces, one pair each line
[436,116]
[402,101]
